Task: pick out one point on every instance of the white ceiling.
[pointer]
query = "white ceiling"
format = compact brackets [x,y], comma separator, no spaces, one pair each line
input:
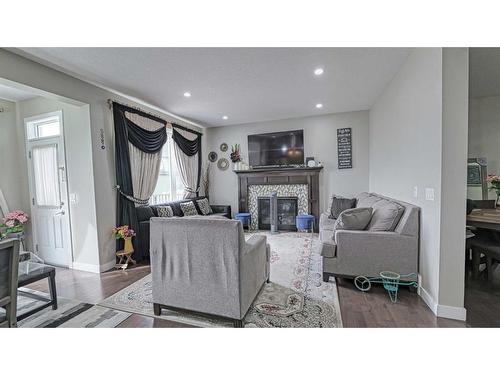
[484,66]
[14,95]
[246,84]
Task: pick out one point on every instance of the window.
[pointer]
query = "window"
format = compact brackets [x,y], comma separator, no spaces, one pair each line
[169,186]
[44,128]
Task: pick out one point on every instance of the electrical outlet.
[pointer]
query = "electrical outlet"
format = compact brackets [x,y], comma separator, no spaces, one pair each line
[429,194]
[73,198]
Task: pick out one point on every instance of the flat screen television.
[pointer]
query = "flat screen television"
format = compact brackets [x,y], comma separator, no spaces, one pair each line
[283,148]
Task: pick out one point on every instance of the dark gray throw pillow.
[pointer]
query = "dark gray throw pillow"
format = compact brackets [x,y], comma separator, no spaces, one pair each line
[354,219]
[340,204]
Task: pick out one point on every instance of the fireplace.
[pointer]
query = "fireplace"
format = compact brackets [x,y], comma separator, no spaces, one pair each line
[302,183]
[287,211]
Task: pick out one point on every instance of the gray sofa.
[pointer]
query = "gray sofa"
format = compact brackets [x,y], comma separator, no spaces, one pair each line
[349,253]
[204,265]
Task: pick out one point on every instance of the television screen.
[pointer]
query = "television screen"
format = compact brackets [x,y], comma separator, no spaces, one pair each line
[283,148]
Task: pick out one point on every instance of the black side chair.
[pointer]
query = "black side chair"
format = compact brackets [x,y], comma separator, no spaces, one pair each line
[9,266]
[486,245]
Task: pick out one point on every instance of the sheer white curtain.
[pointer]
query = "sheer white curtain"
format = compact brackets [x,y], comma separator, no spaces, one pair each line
[187,166]
[46,175]
[144,167]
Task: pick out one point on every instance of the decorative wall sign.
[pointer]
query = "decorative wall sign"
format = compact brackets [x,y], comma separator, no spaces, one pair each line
[223,164]
[212,156]
[223,147]
[103,143]
[344,148]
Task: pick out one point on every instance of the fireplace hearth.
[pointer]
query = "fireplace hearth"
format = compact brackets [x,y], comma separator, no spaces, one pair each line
[287,211]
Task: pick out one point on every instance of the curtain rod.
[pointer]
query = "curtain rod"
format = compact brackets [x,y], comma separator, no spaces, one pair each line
[111,101]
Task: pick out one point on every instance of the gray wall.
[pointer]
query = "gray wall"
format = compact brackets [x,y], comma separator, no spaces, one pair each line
[454,177]
[320,141]
[52,83]
[405,149]
[11,157]
[418,138]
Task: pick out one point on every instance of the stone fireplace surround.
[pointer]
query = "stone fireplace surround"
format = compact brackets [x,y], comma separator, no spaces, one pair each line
[293,190]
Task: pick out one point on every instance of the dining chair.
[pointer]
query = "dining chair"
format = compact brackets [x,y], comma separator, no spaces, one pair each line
[9,266]
[485,249]
[484,203]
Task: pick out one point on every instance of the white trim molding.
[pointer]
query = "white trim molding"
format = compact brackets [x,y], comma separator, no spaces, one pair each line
[94,268]
[441,311]
[451,312]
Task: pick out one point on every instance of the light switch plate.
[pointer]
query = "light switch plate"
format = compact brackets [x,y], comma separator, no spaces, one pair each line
[429,194]
[415,192]
[73,199]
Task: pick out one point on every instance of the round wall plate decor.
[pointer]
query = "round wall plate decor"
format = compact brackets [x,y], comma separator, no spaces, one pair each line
[212,156]
[223,164]
[223,147]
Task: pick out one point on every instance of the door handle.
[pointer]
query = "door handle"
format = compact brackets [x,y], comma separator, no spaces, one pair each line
[59,213]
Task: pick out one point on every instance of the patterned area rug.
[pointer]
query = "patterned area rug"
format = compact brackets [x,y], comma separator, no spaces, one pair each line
[296,296]
[69,314]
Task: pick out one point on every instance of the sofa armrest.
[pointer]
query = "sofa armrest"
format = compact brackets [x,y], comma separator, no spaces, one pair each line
[367,242]
[254,269]
[379,247]
[221,209]
[325,222]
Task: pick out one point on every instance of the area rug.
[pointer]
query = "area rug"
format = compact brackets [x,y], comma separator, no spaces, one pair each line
[295,297]
[69,314]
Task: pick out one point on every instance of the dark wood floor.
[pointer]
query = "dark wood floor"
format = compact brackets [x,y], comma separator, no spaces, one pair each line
[93,288]
[358,309]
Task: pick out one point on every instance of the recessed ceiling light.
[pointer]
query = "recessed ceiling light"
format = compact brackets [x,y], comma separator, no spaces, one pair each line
[225,117]
[319,105]
[187,94]
[318,71]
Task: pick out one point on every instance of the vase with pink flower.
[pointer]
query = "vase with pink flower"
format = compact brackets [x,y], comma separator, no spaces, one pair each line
[494,182]
[14,222]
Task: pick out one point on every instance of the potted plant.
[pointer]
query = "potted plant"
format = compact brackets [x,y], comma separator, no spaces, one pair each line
[125,233]
[235,156]
[494,181]
[14,222]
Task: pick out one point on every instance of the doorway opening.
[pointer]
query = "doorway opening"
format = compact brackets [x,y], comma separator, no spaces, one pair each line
[482,281]
[48,188]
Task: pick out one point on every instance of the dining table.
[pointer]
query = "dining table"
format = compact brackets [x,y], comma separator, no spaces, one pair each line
[486,218]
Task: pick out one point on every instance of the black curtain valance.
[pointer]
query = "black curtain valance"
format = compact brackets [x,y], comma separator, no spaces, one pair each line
[190,148]
[147,141]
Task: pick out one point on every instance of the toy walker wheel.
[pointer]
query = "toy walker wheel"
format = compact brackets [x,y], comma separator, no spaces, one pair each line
[362,283]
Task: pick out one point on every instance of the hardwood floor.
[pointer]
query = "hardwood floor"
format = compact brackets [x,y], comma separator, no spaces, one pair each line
[93,288]
[482,301]
[358,309]
[374,309]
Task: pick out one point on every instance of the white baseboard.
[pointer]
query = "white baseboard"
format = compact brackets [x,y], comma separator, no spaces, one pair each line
[442,311]
[94,268]
[451,312]
[425,295]
[87,267]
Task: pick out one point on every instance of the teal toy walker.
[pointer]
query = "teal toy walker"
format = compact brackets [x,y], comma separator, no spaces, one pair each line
[390,280]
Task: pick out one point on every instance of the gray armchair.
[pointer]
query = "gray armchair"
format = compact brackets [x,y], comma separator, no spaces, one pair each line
[204,265]
[9,266]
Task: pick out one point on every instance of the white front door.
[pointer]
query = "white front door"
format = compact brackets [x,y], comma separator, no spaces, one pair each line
[48,189]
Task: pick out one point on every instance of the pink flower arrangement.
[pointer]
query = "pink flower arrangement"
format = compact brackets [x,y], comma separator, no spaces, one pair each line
[493,178]
[15,220]
[123,232]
